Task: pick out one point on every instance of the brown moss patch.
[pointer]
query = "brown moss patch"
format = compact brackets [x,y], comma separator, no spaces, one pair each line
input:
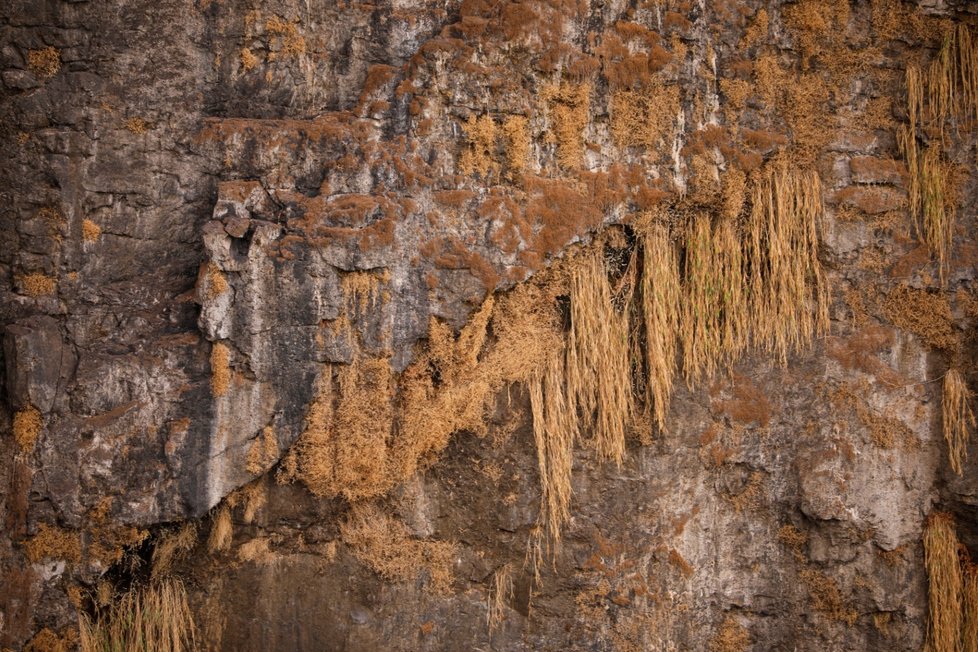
[248,59]
[827,598]
[479,153]
[748,405]
[27,427]
[731,637]
[52,542]
[44,62]
[924,313]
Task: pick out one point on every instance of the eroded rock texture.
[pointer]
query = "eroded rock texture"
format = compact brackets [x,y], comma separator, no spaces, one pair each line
[223,221]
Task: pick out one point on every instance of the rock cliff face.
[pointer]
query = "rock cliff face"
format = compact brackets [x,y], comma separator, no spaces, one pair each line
[299,307]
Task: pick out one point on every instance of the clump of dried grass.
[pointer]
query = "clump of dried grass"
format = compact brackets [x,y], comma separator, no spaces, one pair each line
[958,418]
[171,547]
[386,546]
[222,531]
[90,230]
[156,618]
[263,452]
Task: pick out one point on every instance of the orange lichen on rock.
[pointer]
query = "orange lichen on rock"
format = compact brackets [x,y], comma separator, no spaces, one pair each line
[52,542]
[27,427]
[90,230]
[479,153]
[36,284]
[220,369]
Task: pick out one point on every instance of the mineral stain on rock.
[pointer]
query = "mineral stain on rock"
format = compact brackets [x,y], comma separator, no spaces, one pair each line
[540,324]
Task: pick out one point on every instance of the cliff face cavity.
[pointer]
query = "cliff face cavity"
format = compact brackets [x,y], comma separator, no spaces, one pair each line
[504,325]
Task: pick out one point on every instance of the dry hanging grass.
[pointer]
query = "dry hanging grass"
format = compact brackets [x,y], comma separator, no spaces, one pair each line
[660,313]
[945,583]
[701,303]
[502,590]
[947,91]
[598,372]
[554,431]
[789,300]
[969,629]
[957,416]
[154,619]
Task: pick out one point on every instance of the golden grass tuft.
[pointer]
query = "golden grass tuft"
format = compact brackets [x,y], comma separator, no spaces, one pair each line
[957,417]
[248,59]
[263,452]
[660,297]
[90,230]
[52,542]
[344,448]
[36,284]
[222,531]
[569,111]
[598,372]
[479,153]
[44,62]
[945,583]
[386,546]
[362,289]
[171,547]
[156,618]
[220,369]
[517,134]
[643,118]
[27,427]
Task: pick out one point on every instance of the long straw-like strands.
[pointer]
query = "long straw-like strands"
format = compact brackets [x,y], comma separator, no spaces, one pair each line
[958,418]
